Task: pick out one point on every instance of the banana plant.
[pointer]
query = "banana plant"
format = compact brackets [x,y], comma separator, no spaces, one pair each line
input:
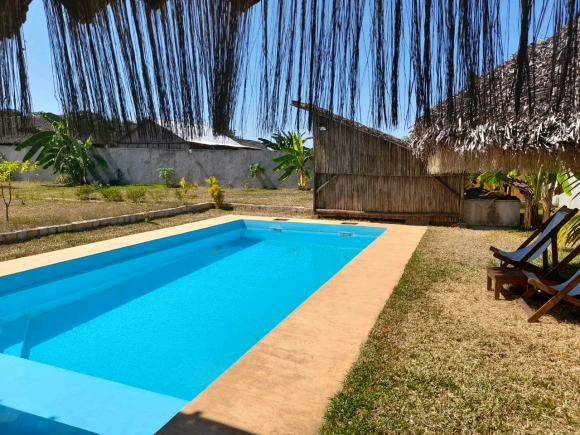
[295,157]
[545,184]
[59,149]
[493,179]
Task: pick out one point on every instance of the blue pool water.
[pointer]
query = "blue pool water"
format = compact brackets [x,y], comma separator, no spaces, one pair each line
[170,316]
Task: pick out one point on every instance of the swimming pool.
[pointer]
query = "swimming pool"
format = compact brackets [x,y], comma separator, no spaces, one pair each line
[155,323]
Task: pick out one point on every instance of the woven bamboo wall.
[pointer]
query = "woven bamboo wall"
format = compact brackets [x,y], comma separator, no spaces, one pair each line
[370,174]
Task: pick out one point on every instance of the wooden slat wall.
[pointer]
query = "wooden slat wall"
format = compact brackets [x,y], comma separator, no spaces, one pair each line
[375,175]
[388,194]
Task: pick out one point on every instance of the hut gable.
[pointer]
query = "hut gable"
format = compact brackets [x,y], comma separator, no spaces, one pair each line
[362,172]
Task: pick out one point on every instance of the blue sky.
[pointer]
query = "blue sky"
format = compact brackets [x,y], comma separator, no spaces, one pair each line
[42,84]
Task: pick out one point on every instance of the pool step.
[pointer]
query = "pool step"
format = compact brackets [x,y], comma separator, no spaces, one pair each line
[13,336]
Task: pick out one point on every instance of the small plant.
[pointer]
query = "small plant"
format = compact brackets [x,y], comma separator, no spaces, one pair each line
[63,179]
[185,186]
[256,170]
[215,191]
[112,194]
[85,192]
[211,181]
[6,170]
[167,174]
[136,195]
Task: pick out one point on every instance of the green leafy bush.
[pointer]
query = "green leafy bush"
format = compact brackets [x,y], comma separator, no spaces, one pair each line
[256,170]
[63,179]
[85,192]
[167,174]
[112,194]
[136,195]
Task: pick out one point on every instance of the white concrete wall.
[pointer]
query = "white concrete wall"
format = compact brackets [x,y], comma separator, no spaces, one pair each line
[569,201]
[139,165]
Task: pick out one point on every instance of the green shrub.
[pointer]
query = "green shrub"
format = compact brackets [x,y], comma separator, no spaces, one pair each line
[63,179]
[256,170]
[112,194]
[85,192]
[167,174]
[136,195]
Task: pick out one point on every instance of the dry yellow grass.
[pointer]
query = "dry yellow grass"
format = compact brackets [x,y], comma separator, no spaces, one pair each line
[445,358]
[42,204]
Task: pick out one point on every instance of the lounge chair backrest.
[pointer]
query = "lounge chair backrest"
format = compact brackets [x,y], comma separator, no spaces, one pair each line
[558,217]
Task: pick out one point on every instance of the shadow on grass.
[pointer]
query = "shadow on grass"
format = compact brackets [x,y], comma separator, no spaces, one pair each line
[562,312]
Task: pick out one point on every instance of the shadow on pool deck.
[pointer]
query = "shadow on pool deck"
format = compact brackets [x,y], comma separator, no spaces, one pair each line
[15,422]
[195,424]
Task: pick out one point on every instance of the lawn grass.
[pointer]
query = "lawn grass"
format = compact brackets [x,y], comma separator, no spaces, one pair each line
[445,358]
[41,204]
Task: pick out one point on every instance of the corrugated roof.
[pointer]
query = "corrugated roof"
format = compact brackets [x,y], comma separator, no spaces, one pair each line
[199,134]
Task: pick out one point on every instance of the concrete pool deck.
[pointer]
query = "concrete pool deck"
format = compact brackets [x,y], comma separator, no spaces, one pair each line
[282,385]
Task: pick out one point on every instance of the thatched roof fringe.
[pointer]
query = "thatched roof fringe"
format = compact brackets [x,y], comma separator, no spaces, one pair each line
[14,92]
[149,59]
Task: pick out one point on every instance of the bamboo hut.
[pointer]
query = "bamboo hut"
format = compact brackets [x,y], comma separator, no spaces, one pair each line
[361,172]
[534,128]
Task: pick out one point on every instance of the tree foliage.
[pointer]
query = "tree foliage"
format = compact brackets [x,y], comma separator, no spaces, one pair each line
[7,169]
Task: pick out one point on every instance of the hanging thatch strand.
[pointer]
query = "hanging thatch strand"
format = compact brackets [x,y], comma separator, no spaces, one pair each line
[526,118]
[14,92]
[204,61]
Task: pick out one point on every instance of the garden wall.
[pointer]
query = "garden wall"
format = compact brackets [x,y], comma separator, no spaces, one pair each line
[139,165]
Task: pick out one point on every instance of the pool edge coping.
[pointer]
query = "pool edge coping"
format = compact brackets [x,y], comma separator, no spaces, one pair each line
[22,264]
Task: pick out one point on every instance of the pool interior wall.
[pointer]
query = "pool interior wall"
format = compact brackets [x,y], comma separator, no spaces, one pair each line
[157,322]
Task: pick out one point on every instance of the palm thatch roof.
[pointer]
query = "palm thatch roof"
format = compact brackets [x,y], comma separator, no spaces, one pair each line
[542,131]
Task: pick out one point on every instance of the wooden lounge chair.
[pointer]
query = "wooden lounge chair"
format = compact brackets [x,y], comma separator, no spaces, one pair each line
[537,244]
[567,291]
